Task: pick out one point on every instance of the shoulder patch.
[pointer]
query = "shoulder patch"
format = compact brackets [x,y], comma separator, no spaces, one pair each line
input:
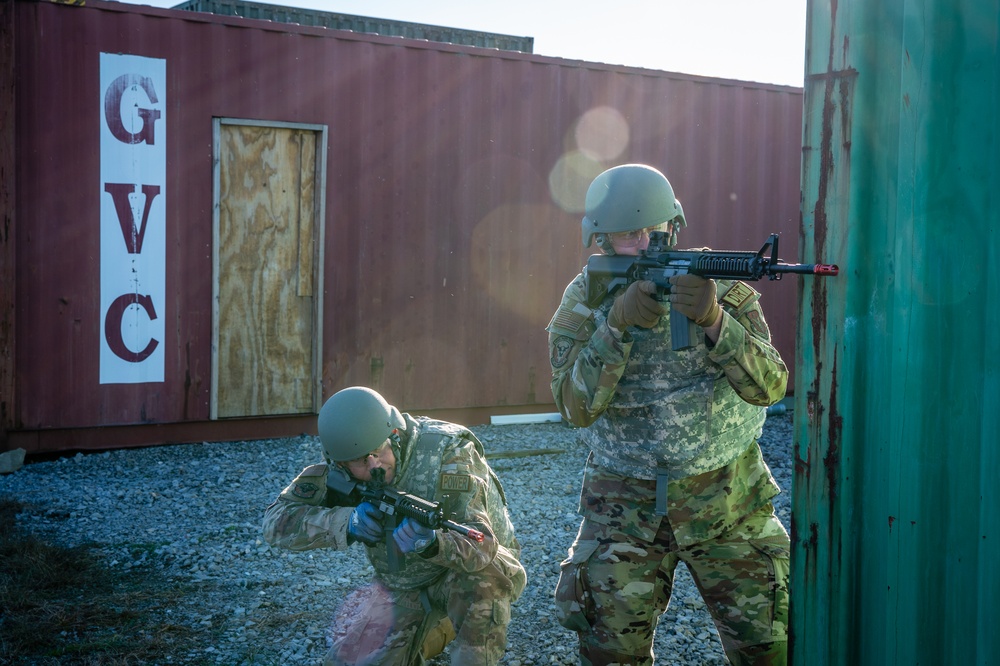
[758,325]
[455,482]
[561,348]
[305,490]
[738,294]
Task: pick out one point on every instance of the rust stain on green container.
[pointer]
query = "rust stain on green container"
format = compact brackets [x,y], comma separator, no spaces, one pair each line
[895,503]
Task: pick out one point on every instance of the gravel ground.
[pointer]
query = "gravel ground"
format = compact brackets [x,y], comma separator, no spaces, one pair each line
[194,512]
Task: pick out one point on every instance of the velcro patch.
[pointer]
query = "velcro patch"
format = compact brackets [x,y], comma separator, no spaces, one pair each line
[314,470]
[456,482]
[305,490]
[738,295]
[571,320]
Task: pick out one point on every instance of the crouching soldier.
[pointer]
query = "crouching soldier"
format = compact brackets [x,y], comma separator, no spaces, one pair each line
[428,582]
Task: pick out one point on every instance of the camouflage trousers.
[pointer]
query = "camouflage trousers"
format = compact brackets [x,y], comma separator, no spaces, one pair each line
[389,627]
[613,588]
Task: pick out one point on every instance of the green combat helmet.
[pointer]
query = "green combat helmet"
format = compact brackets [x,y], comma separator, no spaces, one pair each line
[354,422]
[629,197]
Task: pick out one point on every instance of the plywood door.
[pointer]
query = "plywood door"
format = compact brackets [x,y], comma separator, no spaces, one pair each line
[266,309]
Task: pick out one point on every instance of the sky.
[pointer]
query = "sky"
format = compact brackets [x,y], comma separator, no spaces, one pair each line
[749,40]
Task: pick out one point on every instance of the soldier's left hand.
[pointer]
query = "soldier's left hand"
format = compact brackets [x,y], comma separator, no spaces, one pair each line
[695,298]
[412,537]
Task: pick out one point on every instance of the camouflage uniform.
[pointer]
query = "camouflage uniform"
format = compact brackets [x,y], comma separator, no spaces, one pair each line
[674,475]
[472,583]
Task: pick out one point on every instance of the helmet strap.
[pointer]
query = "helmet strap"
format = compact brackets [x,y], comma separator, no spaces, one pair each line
[604,243]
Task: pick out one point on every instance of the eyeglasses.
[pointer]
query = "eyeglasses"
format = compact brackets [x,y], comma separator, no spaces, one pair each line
[629,237]
[636,236]
[377,453]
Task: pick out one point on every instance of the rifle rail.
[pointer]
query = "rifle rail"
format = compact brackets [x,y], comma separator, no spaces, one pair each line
[658,263]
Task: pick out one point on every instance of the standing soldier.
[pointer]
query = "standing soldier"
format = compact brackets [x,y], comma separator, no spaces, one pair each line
[675,473]
[444,575]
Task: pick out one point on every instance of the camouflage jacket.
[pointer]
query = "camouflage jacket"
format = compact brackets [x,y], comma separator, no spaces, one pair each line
[438,461]
[650,408]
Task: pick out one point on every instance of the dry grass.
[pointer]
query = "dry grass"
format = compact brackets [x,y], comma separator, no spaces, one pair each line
[63,606]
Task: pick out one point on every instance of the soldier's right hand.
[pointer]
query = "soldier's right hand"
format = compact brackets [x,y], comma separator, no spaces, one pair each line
[365,524]
[636,307]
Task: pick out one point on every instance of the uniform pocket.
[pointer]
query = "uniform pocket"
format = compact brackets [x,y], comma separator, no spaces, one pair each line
[574,601]
[776,555]
[501,612]
[512,571]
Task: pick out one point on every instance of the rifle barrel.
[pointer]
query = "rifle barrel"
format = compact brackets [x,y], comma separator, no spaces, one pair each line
[807,269]
[473,534]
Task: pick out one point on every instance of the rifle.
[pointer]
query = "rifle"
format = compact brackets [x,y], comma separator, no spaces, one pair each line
[396,505]
[659,263]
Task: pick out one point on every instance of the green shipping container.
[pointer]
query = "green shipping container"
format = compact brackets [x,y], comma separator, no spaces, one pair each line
[896,510]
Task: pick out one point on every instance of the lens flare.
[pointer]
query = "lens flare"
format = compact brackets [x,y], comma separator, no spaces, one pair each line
[602,133]
[569,179]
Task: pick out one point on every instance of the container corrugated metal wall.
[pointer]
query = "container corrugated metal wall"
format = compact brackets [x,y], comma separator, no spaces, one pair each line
[896,509]
[454,184]
[8,254]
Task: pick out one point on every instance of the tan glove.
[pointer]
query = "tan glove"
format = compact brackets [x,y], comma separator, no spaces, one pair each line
[695,298]
[636,307]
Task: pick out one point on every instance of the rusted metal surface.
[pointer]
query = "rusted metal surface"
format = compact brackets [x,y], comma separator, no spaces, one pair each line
[893,506]
[820,486]
[453,195]
[8,220]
